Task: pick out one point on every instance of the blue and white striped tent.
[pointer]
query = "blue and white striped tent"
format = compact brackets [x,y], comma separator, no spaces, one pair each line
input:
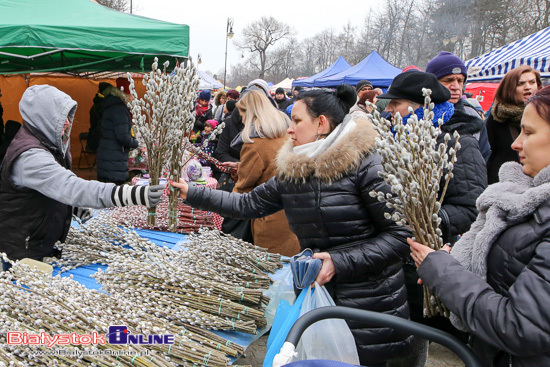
[533,50]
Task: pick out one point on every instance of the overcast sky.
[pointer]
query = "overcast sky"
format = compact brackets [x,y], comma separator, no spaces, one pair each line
[207,21]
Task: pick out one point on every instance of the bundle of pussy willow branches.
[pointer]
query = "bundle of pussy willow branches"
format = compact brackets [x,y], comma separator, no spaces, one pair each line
[36,306]
[190,220]
[417,167]
[229,294]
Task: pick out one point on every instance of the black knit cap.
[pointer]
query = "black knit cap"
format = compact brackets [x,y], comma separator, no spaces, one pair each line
[230,105]
[361,84]
[409,86]
[280,90]
[103,86]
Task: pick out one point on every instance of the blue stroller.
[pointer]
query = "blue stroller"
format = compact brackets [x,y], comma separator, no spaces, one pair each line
[373,319]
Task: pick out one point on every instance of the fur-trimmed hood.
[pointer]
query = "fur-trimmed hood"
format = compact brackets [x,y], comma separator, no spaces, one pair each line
[340,158]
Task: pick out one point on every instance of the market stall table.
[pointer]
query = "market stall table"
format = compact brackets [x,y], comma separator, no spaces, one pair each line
[177,241]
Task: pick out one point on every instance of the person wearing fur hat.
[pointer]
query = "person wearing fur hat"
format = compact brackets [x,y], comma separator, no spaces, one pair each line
[496,279]
[203,110]
[458,209]
[450,70]
[503,123]
[219,102]
[325,172]
[116,138]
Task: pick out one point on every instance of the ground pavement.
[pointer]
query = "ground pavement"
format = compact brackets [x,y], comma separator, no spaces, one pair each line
[439,356]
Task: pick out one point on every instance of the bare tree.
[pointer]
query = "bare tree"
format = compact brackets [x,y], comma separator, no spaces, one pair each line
[284,61]
[259,36]
[407,32]
[308,58]
[241,74]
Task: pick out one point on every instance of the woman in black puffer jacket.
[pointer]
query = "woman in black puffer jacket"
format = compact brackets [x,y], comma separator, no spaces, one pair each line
[116,139]
[325,173]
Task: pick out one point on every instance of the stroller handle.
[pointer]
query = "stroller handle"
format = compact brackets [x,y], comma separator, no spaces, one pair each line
[376,319]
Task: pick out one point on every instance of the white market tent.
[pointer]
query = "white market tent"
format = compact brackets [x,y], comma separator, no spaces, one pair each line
[285,84]
[533,50]
[207,82]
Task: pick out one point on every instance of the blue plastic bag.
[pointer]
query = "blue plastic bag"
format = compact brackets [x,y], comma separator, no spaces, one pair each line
[285,317]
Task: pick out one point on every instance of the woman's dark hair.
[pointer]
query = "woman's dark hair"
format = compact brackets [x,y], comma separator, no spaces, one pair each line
[333,105]
[541,101]
[506,91]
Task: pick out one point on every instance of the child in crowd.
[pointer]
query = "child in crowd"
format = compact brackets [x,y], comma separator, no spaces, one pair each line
[201,137]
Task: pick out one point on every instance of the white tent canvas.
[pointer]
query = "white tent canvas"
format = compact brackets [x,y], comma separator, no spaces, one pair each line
[285,84]
[533,50]
[207,82]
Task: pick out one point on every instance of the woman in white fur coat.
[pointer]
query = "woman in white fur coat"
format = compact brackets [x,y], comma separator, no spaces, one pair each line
[496,280]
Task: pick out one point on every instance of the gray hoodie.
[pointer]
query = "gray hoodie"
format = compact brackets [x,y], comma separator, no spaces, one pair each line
[46,108]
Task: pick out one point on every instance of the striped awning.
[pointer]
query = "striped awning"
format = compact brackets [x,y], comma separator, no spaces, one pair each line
[533,50]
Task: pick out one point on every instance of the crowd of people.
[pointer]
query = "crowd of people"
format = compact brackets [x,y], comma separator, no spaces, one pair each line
[305,167]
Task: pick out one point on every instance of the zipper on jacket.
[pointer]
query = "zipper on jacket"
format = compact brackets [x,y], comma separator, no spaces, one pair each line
[27,242]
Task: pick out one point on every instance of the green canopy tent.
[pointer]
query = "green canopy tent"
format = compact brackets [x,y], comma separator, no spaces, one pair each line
[80,36]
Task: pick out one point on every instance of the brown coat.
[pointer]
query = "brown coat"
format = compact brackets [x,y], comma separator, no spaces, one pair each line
[257,166]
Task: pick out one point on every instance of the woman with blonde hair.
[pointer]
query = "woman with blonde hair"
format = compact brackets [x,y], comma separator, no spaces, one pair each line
[263,135]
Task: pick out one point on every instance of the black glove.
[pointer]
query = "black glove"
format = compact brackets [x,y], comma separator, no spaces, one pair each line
[149,196]
[84,214]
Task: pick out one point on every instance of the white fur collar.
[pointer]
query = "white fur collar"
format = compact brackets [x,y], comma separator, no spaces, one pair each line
[343,155]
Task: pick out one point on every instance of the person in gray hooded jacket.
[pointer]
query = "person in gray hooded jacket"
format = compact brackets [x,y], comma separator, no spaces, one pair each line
[38,191]
[496,279]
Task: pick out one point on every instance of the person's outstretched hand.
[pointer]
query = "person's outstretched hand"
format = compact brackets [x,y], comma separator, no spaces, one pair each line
[124,195]
[154,195]
[182,186]
[327,270]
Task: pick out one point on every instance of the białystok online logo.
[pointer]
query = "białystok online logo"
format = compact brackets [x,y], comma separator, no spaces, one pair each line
[118,334]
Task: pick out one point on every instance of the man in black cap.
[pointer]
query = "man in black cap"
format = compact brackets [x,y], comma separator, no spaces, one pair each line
[458,209]
[280,99]
[361,88]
